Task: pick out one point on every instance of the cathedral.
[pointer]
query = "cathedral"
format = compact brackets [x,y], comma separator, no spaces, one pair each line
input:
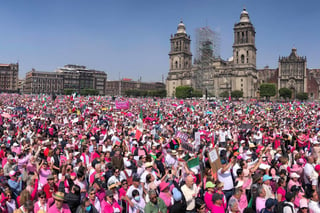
[214,76]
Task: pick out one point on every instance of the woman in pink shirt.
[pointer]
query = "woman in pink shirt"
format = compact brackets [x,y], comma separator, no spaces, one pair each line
[44,172]
[165,194]
[281,192]
[208,195]
[41,204]
[217,206]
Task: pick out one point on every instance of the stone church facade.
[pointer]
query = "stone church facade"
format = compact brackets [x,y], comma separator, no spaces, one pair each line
[214,75]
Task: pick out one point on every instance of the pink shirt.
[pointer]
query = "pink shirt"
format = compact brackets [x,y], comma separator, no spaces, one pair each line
[166,199]
[64,209]
[208,201]
[281,191]
[217,209]
[43,174]
[260,203]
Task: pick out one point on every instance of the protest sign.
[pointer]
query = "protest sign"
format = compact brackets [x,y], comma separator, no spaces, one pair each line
[122,104]
[184,142]
[214,160]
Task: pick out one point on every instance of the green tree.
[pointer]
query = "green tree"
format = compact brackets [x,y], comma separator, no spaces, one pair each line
[69,91]
[224,94]
[184,92]
[86,92]
[285,93]
[237,94]
[267,90]
[302,96]
[196,93]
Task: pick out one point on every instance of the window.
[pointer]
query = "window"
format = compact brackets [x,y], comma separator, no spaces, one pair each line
[241,80]
[242,59]
[241,85]
[176,64]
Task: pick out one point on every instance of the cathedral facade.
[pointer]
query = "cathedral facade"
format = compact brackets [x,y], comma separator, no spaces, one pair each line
[215,75]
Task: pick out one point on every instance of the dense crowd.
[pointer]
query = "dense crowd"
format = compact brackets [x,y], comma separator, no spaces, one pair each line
[127,155]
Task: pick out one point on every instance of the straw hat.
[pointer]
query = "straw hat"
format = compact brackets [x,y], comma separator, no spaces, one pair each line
[59,196]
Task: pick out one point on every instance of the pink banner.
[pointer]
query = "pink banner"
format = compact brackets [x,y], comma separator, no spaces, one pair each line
[122,104]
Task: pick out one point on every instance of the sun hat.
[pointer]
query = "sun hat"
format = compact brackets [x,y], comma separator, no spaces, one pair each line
[294,175]
[209,184]
[163,186]
[303,203]
[148,164]
[59,196]
[12,173]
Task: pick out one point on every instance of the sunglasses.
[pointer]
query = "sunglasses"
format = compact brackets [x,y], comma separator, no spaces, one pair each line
[125,184]
[42,197]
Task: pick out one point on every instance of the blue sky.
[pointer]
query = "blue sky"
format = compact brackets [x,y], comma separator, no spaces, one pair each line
[130,38]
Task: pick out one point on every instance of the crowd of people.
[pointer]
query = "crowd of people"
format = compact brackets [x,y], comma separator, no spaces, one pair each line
[145,155]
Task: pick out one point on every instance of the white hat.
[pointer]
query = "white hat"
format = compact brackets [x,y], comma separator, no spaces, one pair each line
[294,175]
[10,157]
[242,141]
[76,153]
[248,152]
[148,164]
[15,144]
[239,184]
[92,138]
[12,173]
[264,166]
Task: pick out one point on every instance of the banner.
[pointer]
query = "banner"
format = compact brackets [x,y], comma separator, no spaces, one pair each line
[214,160]
[122,104]
[184,142]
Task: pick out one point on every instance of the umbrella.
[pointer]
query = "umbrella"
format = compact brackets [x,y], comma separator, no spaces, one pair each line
[21,109]
[6,115]
[49,115]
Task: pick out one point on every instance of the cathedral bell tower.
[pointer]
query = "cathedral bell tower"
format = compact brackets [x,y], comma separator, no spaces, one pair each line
[244,48]
[180,60]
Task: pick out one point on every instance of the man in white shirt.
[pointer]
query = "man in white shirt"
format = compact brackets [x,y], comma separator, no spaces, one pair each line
[288,204]
[314,202]
[225,176]
[190,192]
[310,173]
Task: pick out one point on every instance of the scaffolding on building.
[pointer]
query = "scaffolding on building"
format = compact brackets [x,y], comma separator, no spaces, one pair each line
[207,51]
[207,43]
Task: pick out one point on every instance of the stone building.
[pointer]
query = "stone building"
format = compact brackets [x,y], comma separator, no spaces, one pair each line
[9,77]
[180,60]
[72,77]
[215,75]
[79,77]
[38,82]
[293,73]
[116,88]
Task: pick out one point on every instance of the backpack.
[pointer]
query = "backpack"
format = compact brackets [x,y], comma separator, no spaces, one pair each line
[279,208]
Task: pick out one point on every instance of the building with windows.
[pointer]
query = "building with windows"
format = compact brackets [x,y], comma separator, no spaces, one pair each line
[69,77]
[38,82]
[9,77]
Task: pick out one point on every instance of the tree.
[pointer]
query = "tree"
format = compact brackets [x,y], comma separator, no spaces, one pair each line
[224,94]
[69,91]
[285,93]
[196,93]
[302,96]
[267,90]
[237,94]
[184,92]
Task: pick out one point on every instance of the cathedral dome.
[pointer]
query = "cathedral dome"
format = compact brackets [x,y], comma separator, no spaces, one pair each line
[181,28]
[244,17]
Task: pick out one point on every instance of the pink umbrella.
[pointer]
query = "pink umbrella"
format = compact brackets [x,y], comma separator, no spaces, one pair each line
[6,115]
